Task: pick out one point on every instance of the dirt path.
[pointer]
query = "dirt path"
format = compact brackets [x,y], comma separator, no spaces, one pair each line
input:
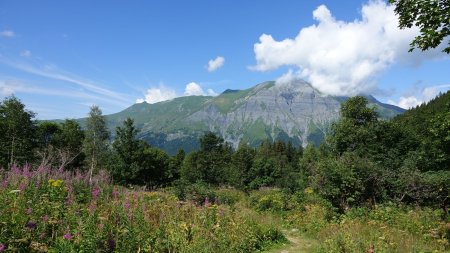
[297,243]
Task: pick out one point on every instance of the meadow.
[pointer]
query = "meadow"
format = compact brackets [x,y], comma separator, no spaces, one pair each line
[58,211]
[49,210]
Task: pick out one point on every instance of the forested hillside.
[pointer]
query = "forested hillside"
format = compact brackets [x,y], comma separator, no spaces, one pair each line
[429,123]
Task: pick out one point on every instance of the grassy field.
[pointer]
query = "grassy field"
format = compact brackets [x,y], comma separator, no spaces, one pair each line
[48,210]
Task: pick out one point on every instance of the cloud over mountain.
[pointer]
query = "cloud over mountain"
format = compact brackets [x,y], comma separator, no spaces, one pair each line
[163,93]
[342,58]
[155,95]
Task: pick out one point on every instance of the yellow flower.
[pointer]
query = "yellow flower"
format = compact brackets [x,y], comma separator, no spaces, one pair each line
[55,183]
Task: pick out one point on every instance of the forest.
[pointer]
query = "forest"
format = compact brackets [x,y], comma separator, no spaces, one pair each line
[365,166]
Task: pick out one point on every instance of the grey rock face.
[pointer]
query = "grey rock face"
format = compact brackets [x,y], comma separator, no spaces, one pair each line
[291,107]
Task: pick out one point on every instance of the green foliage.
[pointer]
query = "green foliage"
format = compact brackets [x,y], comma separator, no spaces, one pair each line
[96,143]
[175,163]
[354,131]
[128,152]
[56,211]
[345,182]
[432,17]
[18,133]
[229,196]
[153,167]
[242,162]
[274,164]
[60,144]
[70,143]
[386,229]
[272,200]
[210,164]
[429,123]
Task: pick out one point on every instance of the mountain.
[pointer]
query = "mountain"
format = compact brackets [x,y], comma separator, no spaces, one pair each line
[293,112]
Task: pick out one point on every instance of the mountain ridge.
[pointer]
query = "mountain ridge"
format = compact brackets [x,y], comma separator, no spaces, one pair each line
[292,111]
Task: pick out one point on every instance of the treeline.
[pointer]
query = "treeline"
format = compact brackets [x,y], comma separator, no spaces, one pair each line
[364,161]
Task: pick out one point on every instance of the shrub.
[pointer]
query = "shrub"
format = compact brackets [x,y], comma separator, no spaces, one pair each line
[273,200]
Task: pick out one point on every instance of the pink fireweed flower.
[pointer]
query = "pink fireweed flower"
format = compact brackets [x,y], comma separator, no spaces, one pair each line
[115,194]
[2,247]
[45,218]
[23,186]
[5,183]
[68,236]
[29,211]
[91,208]
[15,170]
[95,192]
[26,171]
[206,201]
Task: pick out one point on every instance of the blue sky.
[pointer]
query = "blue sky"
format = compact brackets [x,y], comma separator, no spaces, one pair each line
[60,57]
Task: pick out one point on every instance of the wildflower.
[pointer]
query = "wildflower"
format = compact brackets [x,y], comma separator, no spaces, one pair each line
[31,225]
[309,190]
[115,194]
[111,244]
[95,192]
[206,201]
[2,247]
[26,172]
[29,211]
[23,186]
[68,236]
[91,208]
[55,183]
[5,184]
[45,218]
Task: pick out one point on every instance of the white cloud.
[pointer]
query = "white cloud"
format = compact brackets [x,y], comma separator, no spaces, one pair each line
[194,89]
[212,93]
[7,33]
[215,64]
[7,88]
[52,72]
[287,77]
[155,95]
[12,86]
[163,93]
[420,97]
[25,53]
[343,58]
[406,102]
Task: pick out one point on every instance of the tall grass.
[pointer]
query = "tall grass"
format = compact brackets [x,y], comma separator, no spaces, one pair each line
[46,210]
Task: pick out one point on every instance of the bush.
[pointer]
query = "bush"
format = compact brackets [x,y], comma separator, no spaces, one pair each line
[229,196]
[273,200]
[386,229]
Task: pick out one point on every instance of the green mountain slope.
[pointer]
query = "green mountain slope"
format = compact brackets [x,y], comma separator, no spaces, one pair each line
[293,112]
